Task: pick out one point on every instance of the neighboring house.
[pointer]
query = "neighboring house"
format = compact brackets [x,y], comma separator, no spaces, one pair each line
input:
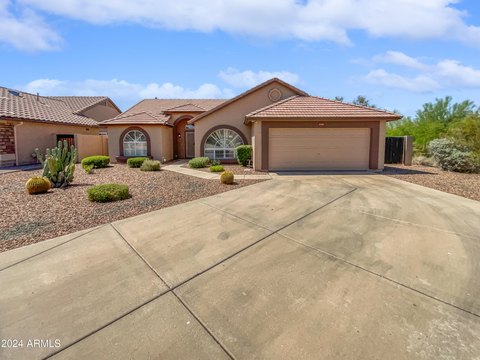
[289,130]
[30,121]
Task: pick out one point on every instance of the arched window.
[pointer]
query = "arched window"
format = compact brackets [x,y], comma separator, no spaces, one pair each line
[221,144]
[135,143]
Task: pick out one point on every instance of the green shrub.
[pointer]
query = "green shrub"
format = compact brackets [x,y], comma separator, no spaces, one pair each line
[227,177]
[88,168]
[199,162]
[150,165]
[452,156]
[215,162]
[216,168]
[244,153]
[97,161]
[136,162]
[108,192]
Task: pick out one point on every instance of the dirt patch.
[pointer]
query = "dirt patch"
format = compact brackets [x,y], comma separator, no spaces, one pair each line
[466,185]
[27,219]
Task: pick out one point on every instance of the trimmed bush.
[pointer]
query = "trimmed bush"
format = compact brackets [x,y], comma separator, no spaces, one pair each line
[97,161]
[244,153]
[199,162]
[136,162]
[216,168]
[227,177]
[88,168]
[150,165]
[452,156]
[37,185]
[108,192]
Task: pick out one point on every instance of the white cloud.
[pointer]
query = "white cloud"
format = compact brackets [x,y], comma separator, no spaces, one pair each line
[249,78]
[122,92]
[459,75]
[26,31]
[445,73]
[306,20]
[399,58]
[420,83]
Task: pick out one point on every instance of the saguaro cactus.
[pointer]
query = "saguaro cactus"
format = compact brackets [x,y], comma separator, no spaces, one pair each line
[59,164]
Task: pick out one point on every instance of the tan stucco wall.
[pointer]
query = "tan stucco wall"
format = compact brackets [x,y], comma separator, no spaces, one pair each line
[89,145]
[31,135]
[234,114]
[101,112]
[257,144]
[160,140]
[381,145]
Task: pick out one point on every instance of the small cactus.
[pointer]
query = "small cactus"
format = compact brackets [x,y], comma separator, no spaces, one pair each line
[227,177]
[37,185]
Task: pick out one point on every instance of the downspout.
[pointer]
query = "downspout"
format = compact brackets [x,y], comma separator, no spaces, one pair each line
[15,137]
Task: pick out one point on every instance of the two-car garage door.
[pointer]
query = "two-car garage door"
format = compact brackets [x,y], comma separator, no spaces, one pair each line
[319,149]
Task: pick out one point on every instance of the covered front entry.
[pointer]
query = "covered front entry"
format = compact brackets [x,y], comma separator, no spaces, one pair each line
[183,139]
[319,149]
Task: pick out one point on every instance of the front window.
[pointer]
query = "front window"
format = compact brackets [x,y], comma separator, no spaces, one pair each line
[135,144]
[221,144]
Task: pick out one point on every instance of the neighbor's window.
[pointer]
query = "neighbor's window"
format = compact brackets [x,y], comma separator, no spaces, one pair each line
[135,144]
[221,144]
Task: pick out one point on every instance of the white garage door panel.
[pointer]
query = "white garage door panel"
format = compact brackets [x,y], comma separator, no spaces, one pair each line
[319,149]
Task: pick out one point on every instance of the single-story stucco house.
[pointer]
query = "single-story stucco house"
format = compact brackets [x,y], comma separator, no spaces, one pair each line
[29,121]
[288,129]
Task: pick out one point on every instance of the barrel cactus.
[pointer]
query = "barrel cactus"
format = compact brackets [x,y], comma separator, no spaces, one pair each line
[37,185]
[227,177]
[59,164]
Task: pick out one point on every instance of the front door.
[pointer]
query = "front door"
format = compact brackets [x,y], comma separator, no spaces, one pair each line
[189,144]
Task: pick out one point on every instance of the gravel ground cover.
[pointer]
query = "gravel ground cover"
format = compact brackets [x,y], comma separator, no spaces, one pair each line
[27,219]
[466,185]
[236,169]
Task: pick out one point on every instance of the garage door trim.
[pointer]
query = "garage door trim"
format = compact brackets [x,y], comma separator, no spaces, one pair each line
[372,125]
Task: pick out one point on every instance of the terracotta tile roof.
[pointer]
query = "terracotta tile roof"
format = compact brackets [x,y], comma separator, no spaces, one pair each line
[24,106]
[141,118]
[81,103]
[186,108]
[147,110]
[317,107]
[225,103]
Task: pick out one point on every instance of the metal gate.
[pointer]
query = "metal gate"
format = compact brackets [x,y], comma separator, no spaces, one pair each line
[394,150]
[70,139]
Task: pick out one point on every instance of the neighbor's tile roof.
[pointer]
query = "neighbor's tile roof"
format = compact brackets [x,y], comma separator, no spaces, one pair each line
[153,111]
[31,107]
[80,103]
[317,107]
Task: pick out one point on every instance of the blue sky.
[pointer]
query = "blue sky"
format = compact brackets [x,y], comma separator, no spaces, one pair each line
[398,53]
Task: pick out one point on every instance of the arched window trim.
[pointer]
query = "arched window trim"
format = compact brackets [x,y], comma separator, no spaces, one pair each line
[220,148]
[124,134]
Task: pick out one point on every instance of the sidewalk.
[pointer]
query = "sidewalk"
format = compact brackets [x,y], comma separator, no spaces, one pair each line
[10,169]
[178,167]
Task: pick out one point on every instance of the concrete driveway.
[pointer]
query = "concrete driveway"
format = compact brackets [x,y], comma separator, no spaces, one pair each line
[299,267]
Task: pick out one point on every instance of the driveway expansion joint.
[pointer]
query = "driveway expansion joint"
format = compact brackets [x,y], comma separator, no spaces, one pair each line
[53,247]
[379,275]
[171,290]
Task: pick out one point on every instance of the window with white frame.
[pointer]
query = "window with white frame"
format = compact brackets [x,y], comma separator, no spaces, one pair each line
[221,144]
[135,144]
